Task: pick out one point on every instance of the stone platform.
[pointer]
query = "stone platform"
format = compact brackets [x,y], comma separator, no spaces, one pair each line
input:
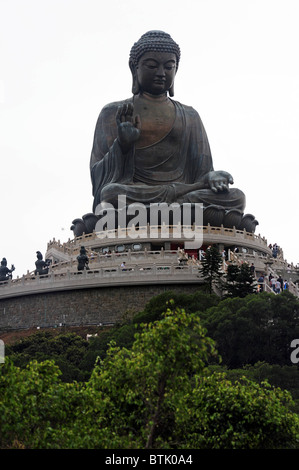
[123,274]
[149,239]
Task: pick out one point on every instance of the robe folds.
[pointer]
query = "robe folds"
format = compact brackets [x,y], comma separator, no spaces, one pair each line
[166,171]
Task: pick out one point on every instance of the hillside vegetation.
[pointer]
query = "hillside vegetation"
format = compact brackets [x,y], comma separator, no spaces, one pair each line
[140,384]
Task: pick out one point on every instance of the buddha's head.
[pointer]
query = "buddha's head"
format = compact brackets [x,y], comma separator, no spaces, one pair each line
[154,61]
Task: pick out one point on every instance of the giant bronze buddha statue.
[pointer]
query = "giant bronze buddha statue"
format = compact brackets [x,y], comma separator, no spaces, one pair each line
[152,149]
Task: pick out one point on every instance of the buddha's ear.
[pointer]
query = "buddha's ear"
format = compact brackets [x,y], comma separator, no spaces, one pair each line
[135,84]
[171,89]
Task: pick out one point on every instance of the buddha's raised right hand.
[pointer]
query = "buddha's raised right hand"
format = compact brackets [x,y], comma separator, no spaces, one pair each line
[128,127]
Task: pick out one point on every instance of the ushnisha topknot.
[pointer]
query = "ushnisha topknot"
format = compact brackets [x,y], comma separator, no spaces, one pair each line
[157,41]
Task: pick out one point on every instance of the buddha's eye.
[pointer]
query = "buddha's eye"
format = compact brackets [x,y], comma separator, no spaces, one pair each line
[170,65]
[150,64]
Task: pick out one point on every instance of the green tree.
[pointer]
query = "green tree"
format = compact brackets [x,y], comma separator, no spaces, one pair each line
[67,350]
[124,334]
[254,328]
[239,281]
[25,398]
[150,395]
[158,394]
[154,309]
[211,266]
[239,415]
[150,380]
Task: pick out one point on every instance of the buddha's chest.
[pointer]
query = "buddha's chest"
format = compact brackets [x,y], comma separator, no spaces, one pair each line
[157,120]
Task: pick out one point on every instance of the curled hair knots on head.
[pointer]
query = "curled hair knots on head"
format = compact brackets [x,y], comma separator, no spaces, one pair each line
[157,41]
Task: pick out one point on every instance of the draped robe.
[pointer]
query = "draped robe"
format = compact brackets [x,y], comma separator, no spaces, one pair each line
[165,171]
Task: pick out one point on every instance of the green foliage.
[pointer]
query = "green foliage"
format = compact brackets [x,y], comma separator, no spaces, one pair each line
[246,330]
[124,334]
[284,377]
[240,415]
[155,384]
[146,384]
[76,357]
[199,301]
[67,350]
[255,328]
[158,394]
[25,397]
[211,266]
[239,281]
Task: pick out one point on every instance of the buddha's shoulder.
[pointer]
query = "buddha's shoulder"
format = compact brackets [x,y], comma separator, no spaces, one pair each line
[187,108]
[113,106]
[188,111]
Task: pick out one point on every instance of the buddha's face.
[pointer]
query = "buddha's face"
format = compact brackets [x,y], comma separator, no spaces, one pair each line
[156,72]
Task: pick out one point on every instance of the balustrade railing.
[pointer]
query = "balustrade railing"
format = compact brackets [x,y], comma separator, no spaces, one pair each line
[154,231]
[141,263]
[100,274]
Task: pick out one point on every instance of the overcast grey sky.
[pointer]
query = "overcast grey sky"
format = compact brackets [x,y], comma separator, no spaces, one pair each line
[63,60]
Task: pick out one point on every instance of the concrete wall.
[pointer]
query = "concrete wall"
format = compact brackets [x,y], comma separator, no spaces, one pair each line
[90,306]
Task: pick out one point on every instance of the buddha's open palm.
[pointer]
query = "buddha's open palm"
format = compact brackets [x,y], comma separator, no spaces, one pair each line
[219,180]
[127,126]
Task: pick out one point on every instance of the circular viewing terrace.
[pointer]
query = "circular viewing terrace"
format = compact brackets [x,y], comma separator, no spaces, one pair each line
[157,237]
[143,256]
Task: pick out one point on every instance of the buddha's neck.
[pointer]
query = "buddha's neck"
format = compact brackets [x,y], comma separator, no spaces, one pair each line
[156,98]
